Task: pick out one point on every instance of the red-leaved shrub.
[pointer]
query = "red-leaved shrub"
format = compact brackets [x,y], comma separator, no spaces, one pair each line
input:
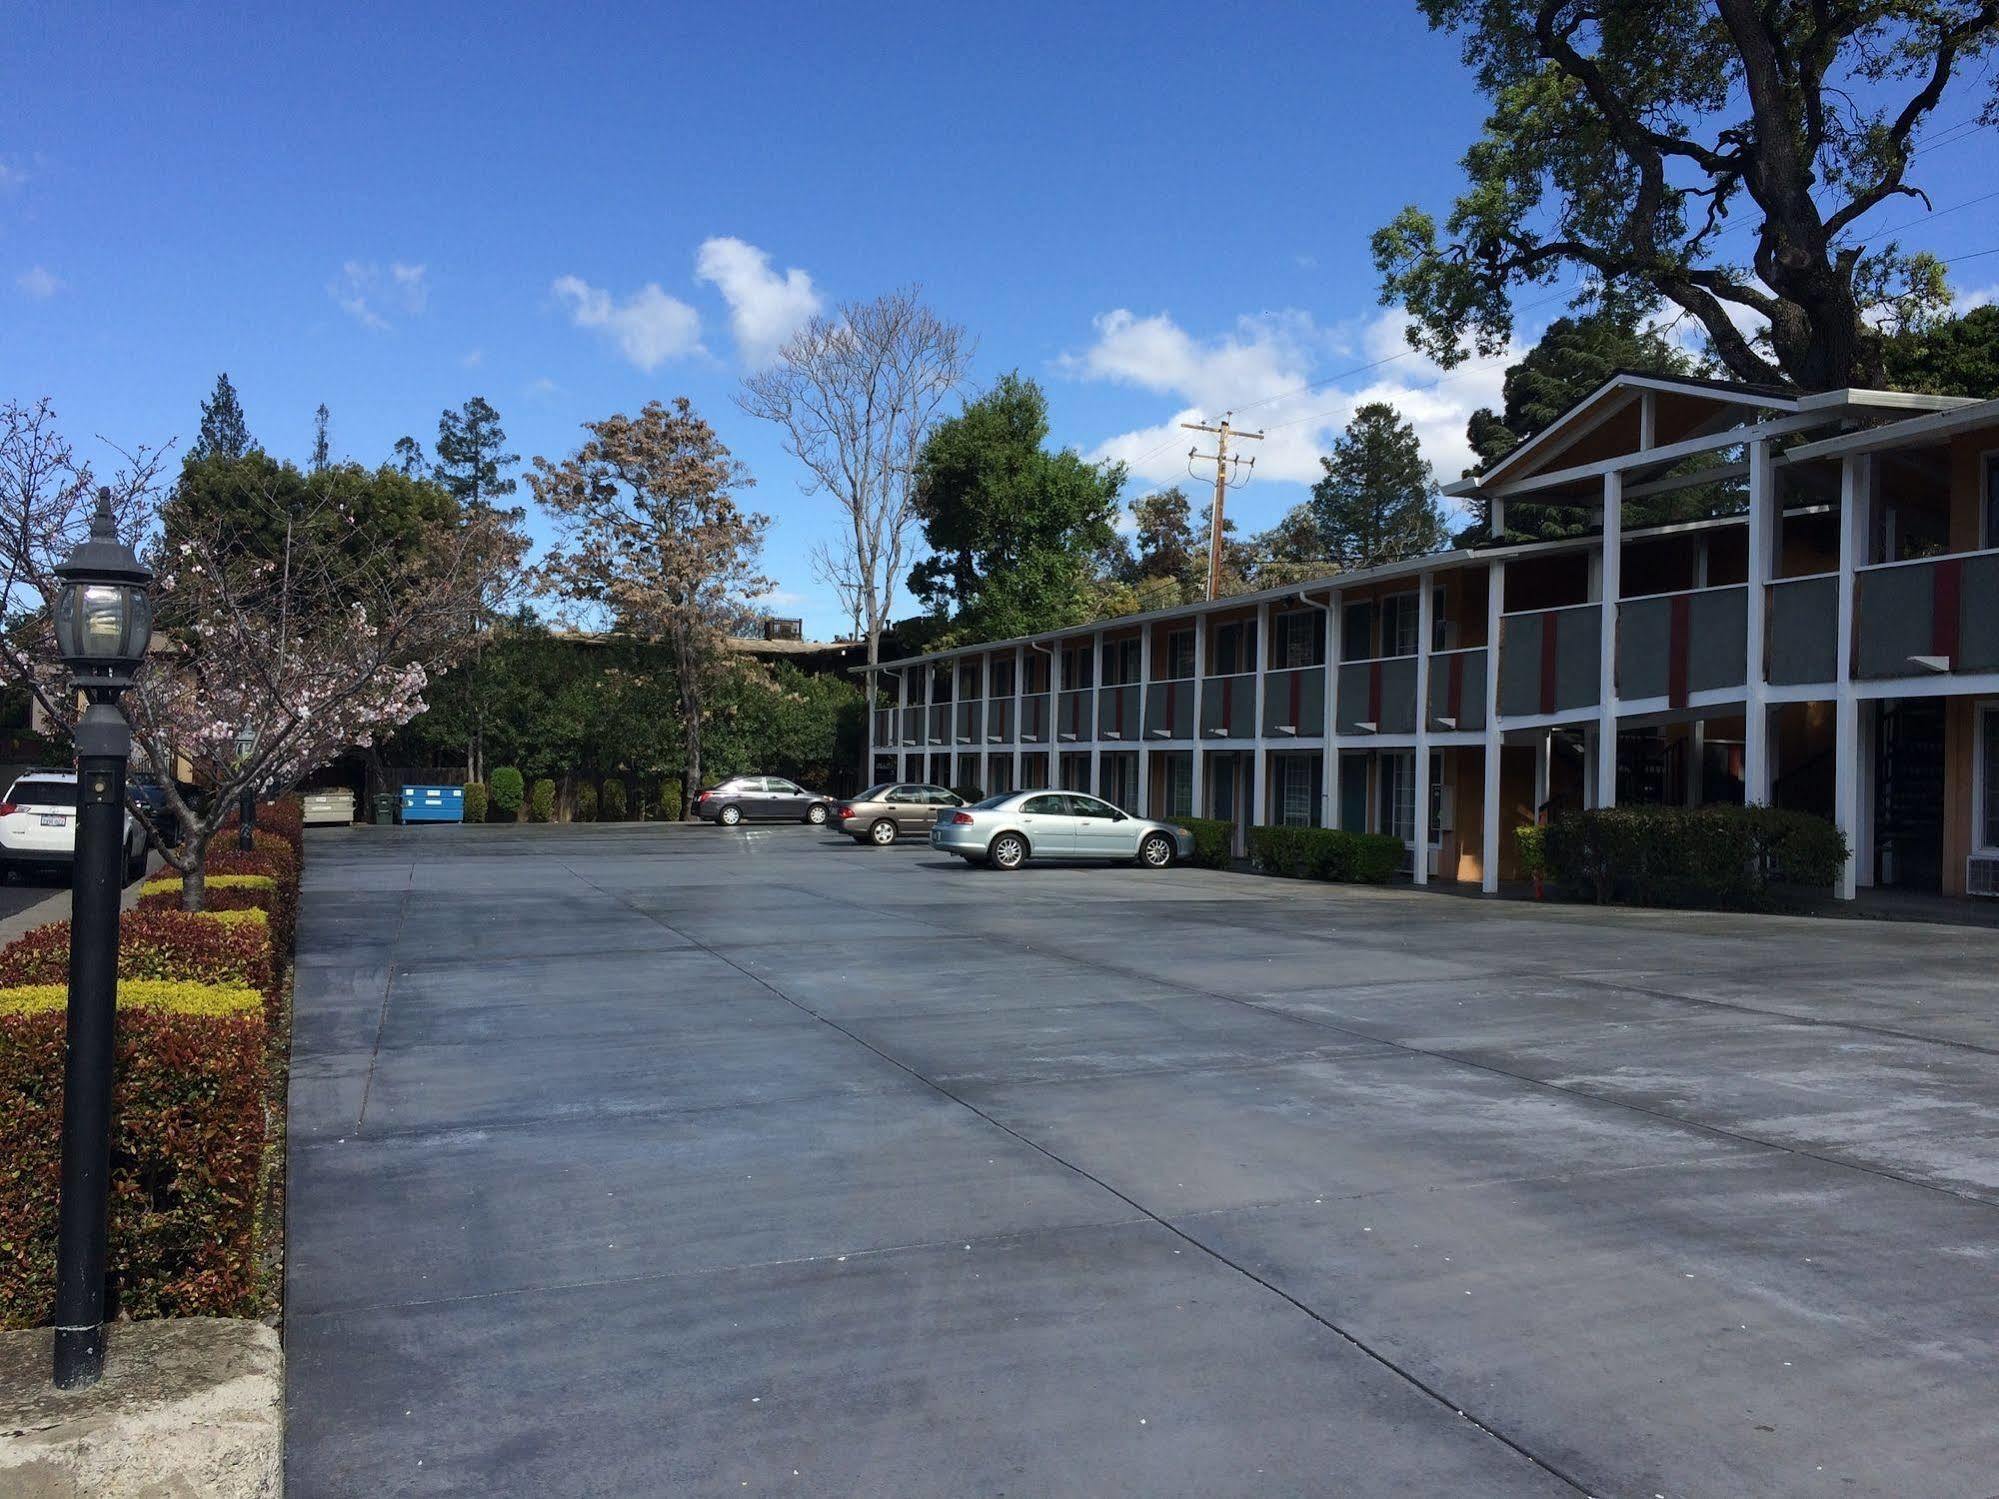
[157,944]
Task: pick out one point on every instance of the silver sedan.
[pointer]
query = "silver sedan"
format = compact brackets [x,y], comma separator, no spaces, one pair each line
[1006,831]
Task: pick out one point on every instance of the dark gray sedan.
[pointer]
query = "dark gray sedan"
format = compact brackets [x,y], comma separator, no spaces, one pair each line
[1006,831]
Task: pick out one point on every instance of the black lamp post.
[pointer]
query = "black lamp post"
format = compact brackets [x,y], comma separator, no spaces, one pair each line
[246,801]
[103,620]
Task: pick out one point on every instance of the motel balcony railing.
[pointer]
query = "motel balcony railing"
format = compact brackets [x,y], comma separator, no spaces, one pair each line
[1377,696]
[1034,727]
[1169,709]
[970,720]
[1075,722]
[1672,644]
[1457,690]
[1228,706]
[1294,703]
[1548,660]
[1803,631]
[1927,617]
[1118,713]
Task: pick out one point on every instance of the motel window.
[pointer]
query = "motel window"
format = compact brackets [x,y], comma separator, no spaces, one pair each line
[1990,538]
[1180,655]
[1235,647]
[968,679]
[1180,786]
[1401,617]
[1079,667]
[1398,795]
[1297,791]
[1120,662]
[1357,632]
[1299,639]
[1002,673]
[1443,636]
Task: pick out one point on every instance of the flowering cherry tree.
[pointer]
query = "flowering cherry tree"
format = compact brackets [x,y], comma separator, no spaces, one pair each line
[292,622]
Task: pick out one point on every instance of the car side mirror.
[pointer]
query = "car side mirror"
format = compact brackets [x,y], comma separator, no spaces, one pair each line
[1119,817]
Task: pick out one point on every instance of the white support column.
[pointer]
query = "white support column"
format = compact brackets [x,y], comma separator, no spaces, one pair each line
[1544,768]
[1097,716]
[1329,776]
[1419,864]
[1055,712]
[1491,831]
[1019,695]
[1144,808]
[1200,797]
[1606,673]
[1847,802]
[874,717]
[1259,771]
[1756,701]
[1648,420]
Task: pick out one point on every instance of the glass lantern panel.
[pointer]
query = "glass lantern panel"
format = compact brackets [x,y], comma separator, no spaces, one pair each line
[104,619]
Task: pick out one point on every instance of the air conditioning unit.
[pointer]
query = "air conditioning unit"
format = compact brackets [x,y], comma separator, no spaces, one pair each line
[1981,875]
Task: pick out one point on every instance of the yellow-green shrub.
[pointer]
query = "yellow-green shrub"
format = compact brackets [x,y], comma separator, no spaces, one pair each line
[174,996]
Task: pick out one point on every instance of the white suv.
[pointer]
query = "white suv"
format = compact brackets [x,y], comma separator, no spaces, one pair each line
[38,825]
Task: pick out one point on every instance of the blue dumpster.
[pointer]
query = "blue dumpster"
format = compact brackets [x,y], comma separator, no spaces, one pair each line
[433,804]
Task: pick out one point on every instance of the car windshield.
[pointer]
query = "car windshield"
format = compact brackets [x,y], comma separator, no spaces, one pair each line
[43,794]
[994,801]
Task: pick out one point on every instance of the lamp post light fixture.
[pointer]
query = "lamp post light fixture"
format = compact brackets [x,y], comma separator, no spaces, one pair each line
[246,801]
[103,623]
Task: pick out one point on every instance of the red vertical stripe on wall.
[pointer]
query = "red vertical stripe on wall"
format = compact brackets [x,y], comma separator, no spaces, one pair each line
[1679,612]
[1549,626]
[1948,586]
[1374,693]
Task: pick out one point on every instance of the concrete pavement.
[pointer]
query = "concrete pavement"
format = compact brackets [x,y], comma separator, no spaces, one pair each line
[673,1160]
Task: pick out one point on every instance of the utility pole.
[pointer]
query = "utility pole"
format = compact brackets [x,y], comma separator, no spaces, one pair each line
[1231,472]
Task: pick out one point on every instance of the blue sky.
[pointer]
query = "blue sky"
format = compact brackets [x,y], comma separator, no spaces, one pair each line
[1152,209]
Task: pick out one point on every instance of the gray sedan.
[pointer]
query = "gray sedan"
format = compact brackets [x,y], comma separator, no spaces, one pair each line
[1006,831]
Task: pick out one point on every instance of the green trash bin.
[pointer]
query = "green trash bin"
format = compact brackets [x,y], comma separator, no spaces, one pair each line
[385,809]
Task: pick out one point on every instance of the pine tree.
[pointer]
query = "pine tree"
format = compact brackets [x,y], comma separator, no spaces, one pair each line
[322,449]
[1377,502]
[224,434]
[409,458]
[470,463]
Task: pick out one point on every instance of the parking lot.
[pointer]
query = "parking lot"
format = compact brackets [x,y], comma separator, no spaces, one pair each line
[633,1160]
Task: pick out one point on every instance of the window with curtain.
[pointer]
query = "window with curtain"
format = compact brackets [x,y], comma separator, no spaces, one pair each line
[1180,655]
[1988,778]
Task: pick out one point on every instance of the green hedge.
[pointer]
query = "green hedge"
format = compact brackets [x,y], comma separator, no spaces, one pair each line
[475,801]
[1742,858]
[1214,840]
[586,803]
[541,801]
[613,802]
[508,791]
[1326,854]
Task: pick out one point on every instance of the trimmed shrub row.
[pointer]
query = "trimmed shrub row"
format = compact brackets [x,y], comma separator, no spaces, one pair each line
[187,1147]
[229,948]
[1741,858]
[1326,854]
[1214,840]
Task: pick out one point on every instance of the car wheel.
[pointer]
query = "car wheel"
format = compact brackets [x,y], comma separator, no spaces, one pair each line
[729,816]
[1008,851]
[816,814]
[882,834]
[1156,852]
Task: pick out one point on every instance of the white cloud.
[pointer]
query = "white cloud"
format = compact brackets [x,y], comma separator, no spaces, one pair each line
[1972,300]
[782,598]
[39,283]
[11,176]
[1260,370]
[472,359]
[764,308]
[649,327]
[368,293]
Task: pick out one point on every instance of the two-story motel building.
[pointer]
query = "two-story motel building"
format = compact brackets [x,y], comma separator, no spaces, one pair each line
[1833,647]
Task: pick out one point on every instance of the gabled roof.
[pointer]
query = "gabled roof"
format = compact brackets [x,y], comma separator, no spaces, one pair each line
[1614,395]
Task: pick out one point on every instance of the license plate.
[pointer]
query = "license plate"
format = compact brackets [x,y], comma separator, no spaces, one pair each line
[52,819]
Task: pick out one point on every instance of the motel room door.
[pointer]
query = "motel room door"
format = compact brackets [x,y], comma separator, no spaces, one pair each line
[1229,792]
[1908,795]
